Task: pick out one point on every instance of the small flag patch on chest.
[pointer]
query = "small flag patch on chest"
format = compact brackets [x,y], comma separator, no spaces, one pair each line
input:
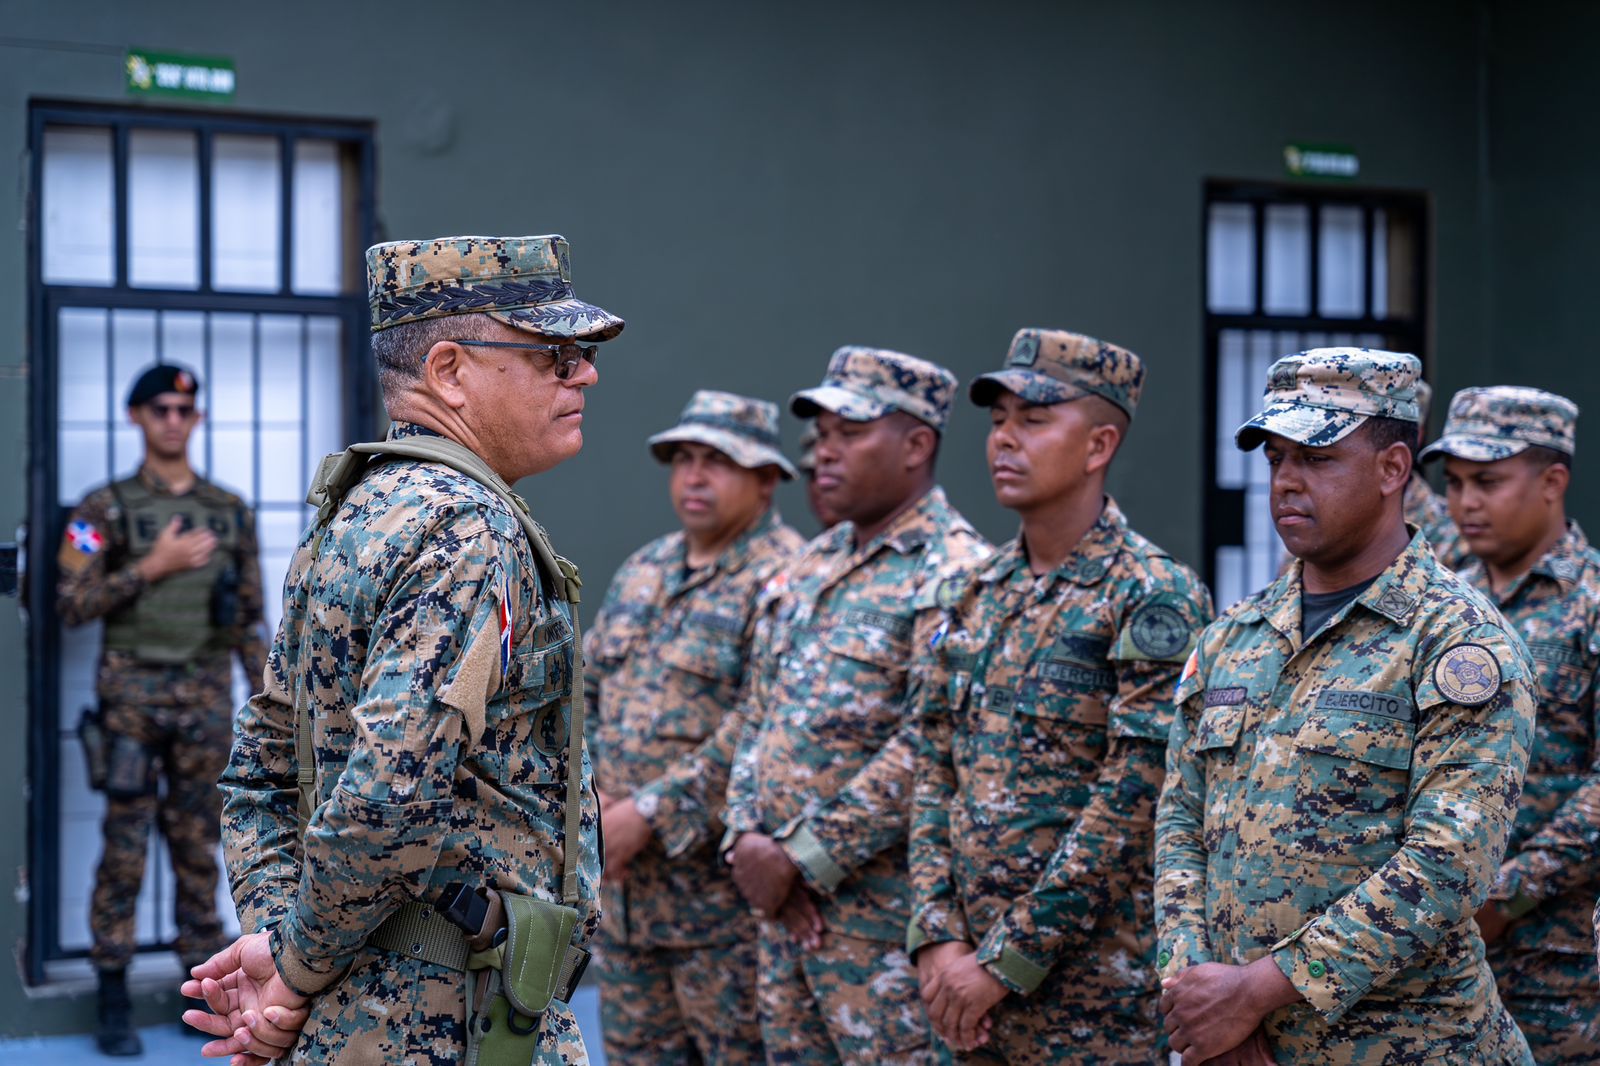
[505,626]
[84,537]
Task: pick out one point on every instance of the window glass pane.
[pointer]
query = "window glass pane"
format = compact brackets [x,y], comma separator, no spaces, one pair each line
[1380,263]
[77,207]
[163,209]
[325,431]
[280,369]
[1231,259]
[1288,259]
[133,350]
[246,214]
[81,402]
[183,341]
[318,258]
[1236,396]
[1340,277]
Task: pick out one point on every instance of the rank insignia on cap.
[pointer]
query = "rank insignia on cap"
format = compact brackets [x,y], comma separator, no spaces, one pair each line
[1468,674]
[183,381]
[84,537]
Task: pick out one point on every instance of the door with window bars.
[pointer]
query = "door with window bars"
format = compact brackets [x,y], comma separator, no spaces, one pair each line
[1286,269]
[230,246]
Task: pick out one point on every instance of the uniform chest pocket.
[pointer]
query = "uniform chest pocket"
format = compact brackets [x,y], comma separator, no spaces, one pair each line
[1216,743]
[1352,786]
[1565,675]
[621,634]
[527,750]
[708,670]
[883,651]
[1058,731]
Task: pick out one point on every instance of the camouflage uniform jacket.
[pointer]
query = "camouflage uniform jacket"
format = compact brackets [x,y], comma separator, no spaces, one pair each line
[824,761]
[1327,802]
[1426,510]
[666,672]
[437,666]
[1043,732]
[1550,868]
[96,582]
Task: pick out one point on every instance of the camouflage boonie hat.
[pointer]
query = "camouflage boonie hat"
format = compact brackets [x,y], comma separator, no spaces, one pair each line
[743,429]
[867,383]
[808,448]
[1489,424]
[1317,397]
[523,282]
[1048,366]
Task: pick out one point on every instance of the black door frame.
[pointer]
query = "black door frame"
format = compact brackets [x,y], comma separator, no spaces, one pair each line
[46,518]
[1223,510]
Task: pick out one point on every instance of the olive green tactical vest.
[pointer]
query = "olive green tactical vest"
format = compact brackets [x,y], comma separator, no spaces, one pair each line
[170,621]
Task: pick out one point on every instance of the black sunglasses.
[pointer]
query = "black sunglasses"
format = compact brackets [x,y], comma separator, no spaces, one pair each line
[567,355]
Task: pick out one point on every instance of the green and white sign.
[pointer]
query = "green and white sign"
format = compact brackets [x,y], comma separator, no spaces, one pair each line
[1321,161]
[189,77]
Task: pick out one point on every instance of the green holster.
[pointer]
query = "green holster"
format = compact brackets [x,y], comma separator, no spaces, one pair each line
[509,985]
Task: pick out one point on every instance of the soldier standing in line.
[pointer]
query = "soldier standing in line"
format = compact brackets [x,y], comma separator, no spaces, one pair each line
[169,560]
[1424,508]
[820,795]
[431,895]
[1044,719]
[667,661]
[1345,764]
[1508,465]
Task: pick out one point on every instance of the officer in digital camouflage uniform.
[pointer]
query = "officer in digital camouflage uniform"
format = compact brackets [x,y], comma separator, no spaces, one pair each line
[1044,721]
[169,561]
[820,795]
[1508,464]
[666,669]
[1425,508]
[1345,764]
[428,631]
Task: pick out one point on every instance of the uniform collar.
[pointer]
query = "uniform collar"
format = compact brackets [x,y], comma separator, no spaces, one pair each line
[1091,560]
[399,430]
[911,529]
[1563,564]
[673,555]
[154,482]
[1394,594]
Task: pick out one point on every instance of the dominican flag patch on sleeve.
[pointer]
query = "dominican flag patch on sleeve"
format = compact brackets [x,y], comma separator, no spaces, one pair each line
[505,626]
[84,537]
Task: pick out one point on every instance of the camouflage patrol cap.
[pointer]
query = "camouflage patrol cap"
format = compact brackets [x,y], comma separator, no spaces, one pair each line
[743,429]
[1488,424]
[1048,366]
[1317,398]
[523,282]
[863,384]
[1424,400]
[808,448]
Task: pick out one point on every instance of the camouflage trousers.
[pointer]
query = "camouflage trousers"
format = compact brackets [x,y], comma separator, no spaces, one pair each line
[1043,1028]
[190,744]
[850,1001]
[391,1010]
[1555,998]
[680,1005]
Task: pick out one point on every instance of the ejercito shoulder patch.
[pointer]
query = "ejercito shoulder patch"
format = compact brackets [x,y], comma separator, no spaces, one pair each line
[1468,674]
[1160,630]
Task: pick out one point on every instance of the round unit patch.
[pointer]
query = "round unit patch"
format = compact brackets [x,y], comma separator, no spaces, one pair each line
[1160,631]
[1468,674]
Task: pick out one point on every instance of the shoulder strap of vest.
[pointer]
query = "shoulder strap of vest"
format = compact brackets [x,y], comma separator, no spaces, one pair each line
[336,475]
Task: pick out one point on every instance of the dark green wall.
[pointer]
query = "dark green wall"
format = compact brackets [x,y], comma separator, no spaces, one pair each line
[1544,152]
[753,185]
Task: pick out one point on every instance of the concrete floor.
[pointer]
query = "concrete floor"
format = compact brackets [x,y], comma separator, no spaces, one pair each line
[165,1045]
